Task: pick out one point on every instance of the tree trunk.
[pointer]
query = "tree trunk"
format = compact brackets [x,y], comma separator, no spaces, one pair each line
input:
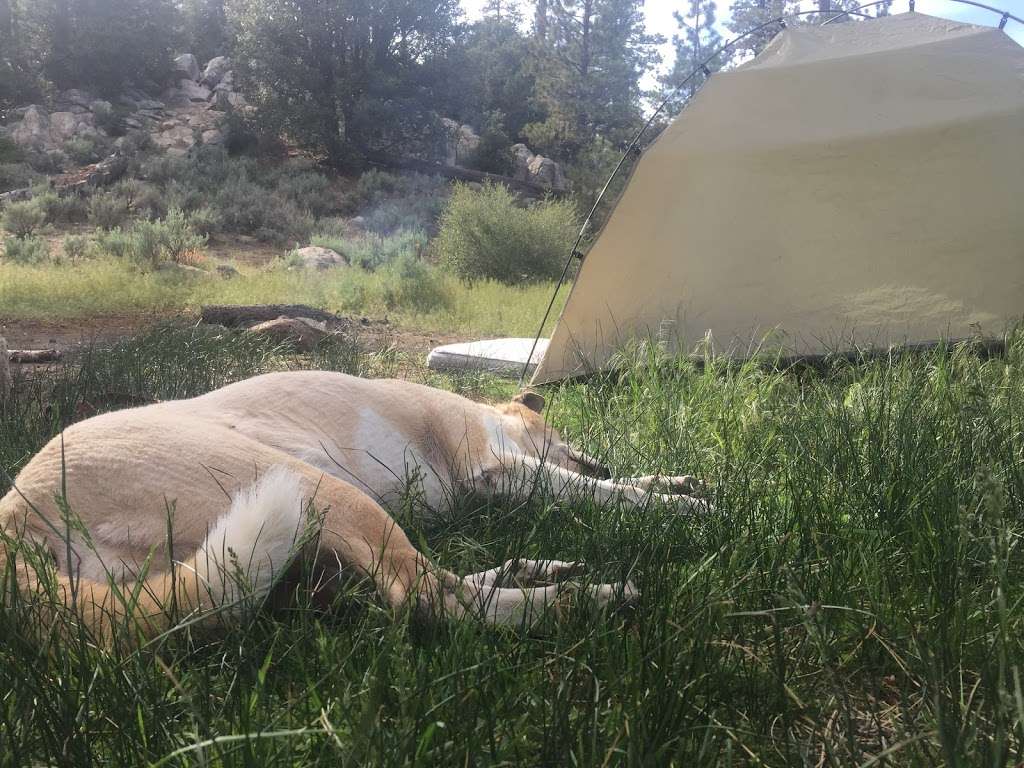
[540,20]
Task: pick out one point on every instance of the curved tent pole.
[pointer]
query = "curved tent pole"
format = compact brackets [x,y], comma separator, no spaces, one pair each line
[702,68]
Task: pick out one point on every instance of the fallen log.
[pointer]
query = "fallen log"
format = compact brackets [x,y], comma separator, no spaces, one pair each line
[34,355]
[242,316]
[461,174]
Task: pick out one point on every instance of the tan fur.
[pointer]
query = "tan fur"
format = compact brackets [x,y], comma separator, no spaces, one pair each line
[130,476]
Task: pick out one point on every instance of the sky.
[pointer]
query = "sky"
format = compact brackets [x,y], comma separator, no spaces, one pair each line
[659,16]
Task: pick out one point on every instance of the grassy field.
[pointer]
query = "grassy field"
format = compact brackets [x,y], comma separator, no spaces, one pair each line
[856,599]
[432,300]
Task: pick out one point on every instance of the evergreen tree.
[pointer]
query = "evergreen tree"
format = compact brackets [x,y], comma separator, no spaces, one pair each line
[101,45]
[589,68]
[347,77]
[696,41]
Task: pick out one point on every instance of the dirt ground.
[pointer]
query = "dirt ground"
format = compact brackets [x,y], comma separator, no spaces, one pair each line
[69,335]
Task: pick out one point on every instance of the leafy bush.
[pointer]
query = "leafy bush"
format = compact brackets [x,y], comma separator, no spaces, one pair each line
[84,150]
[371,252]
[10,152]
[107,210]
[26,250]
[109,118]
[76,247]
[205,220]
[163,240]
[485,234]
[409,283]
[17,176]
[151,243]
[57,209]
[23,219]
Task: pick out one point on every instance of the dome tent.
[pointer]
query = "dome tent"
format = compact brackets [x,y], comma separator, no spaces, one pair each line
[855,185]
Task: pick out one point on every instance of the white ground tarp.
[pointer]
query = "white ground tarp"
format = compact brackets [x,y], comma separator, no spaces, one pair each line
[855,184]
[502,357]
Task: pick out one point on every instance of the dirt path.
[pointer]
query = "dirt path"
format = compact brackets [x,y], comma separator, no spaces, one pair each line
[69,335]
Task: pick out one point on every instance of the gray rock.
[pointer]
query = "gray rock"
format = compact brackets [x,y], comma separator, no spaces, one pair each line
[193,91]
[537,169]
[63,126]
[216,69]
[227,83]
[186,64]
[237,101]
[77,96]
[34,128]
[315,257]
[213,136]
[100,105]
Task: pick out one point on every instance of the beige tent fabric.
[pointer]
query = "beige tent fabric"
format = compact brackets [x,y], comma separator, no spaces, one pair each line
[855,184]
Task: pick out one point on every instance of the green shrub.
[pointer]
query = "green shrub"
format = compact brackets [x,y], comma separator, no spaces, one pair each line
[10,152]
[409,283]
[485,234]
[57,209]
[164,240]
[26,250]
[84,150]
[151,243]
[109,118]
[107,210]
[205,220]
[17,176]
[116,243]
[371,252]
[23,219]
[76,247]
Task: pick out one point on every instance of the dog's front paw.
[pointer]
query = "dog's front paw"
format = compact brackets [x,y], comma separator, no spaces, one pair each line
[686,485]
[540,572]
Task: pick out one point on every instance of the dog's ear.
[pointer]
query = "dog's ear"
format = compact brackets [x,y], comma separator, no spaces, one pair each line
[531,400]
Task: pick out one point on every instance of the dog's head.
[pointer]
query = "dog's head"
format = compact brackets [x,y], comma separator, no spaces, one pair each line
[537,438]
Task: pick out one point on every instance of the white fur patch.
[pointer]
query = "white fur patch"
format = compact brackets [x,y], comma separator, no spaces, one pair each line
[255,539]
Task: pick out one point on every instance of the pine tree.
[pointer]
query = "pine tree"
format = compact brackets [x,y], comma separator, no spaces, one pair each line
[589,68]
[695,45]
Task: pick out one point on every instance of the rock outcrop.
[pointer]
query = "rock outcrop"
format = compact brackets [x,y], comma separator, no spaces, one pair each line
[190,113]
[537,169]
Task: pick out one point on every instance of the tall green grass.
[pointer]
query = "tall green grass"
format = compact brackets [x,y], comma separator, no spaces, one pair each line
[855,599]
[98,287]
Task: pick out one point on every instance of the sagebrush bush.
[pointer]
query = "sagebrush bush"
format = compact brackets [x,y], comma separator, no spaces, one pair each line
[372,252]
[149,244]
[68,209]
[411,284]
[26,250]
[485,234]
[107,210]
[76,247]
[23,219]
[163,240]
[84,150]
[17,176]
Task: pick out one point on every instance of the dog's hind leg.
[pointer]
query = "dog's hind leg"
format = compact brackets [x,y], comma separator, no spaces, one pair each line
[357,534]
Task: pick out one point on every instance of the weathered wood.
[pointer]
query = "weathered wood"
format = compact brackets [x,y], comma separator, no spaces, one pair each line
[461,174]
[34,355]
[245,315]
[76,182]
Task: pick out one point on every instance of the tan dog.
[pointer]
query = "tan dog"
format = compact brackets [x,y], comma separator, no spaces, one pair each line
[230,474]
